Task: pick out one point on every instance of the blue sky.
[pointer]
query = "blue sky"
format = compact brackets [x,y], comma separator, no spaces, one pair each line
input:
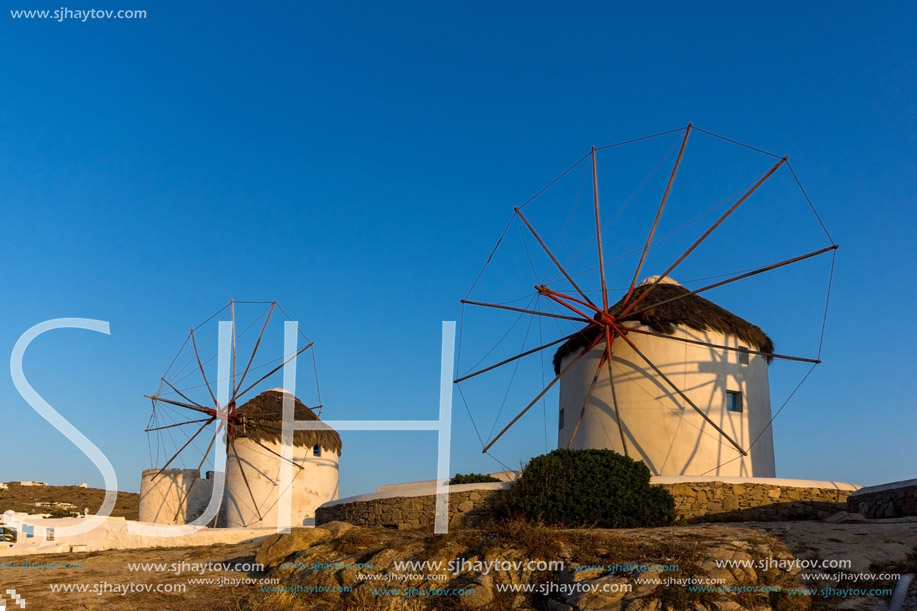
[356,162]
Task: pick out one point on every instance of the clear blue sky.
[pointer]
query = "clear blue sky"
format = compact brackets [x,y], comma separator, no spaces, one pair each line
[356,162]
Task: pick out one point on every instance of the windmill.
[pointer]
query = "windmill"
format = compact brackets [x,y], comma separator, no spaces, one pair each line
[649,368]
[188,420]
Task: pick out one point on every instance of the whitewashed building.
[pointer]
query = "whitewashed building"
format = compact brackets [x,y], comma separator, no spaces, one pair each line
[658,425]
[253,466]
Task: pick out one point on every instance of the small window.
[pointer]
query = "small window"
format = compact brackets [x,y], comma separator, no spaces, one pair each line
[28,530]
[743,356]
[317,450]
[733,401]
[49,534]
[560,420]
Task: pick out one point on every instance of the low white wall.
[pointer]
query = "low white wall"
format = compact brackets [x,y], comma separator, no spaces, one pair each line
[503,476]
[113,534]
[415,489]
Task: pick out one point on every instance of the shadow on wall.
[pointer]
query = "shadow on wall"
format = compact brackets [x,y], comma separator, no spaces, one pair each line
[773,512]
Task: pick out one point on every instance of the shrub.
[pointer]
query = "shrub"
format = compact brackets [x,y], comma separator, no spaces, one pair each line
[471,478]
[577,488]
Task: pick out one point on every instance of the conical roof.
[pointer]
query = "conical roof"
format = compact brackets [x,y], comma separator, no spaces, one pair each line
[263,420]
[692,311]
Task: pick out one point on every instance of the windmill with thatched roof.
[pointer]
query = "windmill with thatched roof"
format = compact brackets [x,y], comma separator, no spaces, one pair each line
[661,374]
[177,493]
[721,363]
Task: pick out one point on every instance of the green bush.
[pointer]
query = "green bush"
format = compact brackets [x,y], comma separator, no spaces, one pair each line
[471,478]
[591,488]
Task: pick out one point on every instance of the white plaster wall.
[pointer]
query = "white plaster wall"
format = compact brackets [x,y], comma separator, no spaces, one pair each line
[416,489]
[161,495]
[660,427]
[503,476]
[312,486]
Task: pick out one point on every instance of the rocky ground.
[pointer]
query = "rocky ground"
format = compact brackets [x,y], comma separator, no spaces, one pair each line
[322,562]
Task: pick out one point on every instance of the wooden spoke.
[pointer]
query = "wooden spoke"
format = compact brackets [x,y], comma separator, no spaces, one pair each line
[232,442]
[187,443]
[534,401]
[683,395]
[706,234]
[182,395]
[609,338]
[273,371]
[665,196]
[518,356]
[754,272]
[235,390]
[582,412]
[197,408]
[554,297]
[201,367]
[160,428]
[524,311]
[275,453]
[552,257]
[200,465]
[721,347]
[598,231]
[232,309]
[543,289]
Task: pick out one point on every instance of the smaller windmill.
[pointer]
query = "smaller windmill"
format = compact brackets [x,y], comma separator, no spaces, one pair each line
[185,406]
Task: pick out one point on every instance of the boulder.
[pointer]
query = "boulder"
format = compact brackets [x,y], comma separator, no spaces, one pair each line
[599,599]
[337,528]
[281,546]
[483,592]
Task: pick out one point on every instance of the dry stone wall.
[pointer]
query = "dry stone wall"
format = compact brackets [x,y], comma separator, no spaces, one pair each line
[892,501]
[466,508]
[708,501]
[753,502]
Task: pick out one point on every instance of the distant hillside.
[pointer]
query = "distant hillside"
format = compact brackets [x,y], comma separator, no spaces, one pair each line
[23,498]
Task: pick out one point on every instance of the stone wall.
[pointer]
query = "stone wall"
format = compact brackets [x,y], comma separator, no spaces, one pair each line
[706,501]
[889,501]
[466,508]
[712,501]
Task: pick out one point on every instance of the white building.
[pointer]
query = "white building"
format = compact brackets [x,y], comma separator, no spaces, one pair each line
[659,426]
[31,483]
[173,496]
[253,467]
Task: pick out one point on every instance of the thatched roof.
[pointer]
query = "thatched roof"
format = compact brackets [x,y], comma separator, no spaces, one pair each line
[267,409]
[692,311]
